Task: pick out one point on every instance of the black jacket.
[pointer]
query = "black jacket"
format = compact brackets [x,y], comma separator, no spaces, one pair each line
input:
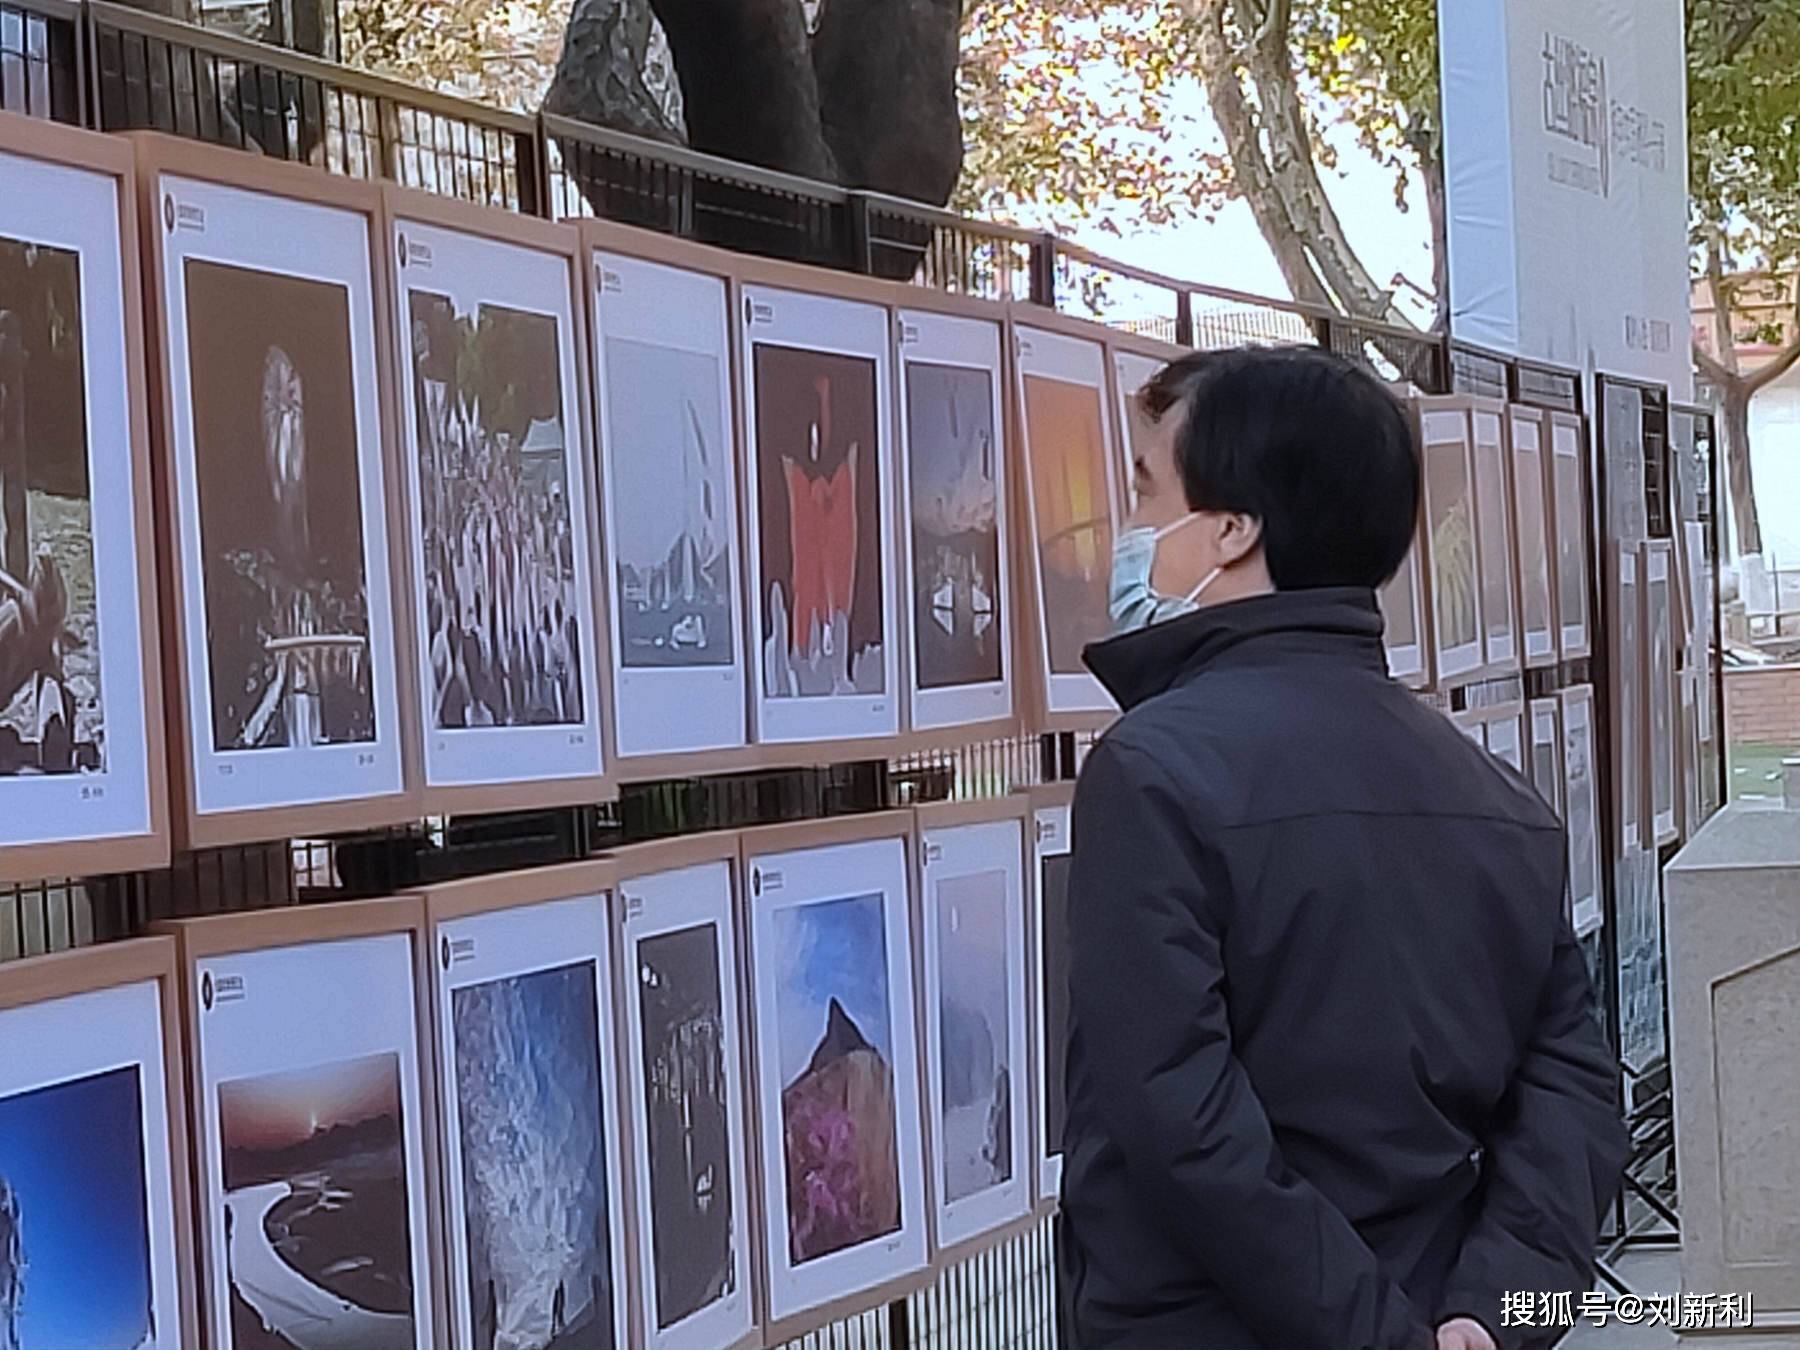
[1334,1072]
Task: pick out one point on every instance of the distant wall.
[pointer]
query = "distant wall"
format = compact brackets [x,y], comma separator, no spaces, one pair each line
[1762,706]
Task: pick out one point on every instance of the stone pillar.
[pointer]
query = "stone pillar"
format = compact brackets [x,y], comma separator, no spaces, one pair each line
[1733,899]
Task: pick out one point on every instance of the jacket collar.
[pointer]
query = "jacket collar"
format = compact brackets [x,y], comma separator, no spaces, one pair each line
[1341,625]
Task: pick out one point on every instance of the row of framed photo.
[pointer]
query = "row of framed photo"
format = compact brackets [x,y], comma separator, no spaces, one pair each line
[455,510]
[1497,582]
[704,1094]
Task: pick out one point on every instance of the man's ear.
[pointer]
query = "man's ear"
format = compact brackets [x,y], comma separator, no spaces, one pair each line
[1241,537]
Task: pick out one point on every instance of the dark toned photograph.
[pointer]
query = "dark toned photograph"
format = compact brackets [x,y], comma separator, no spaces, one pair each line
[537,1216]
[819,498]
[670,479]
[502,607]
[956,579]
[1074,515]
[74,1220]
[281,521]
[834,1030]
[52,717]
[974,1022]
[1053,882]
[693,1229]
[318,1239]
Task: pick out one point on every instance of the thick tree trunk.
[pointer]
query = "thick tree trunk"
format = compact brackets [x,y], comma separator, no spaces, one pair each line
[1735,399]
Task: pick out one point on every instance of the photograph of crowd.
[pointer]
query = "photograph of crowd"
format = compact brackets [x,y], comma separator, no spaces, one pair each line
[52,717]
[278,463]
[503,609]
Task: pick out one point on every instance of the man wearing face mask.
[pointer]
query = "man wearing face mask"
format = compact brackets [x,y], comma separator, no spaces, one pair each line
[1334,1077]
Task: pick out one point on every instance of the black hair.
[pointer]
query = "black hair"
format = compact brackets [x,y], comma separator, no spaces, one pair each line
[1315,448]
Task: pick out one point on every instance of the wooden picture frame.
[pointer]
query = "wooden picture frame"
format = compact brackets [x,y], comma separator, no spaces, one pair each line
[804,329]
[325,788]
[113,817]
[1661,701]
[1405,604]
[1506,736]
[1060,379]
[778,863]
[1546,774]
[1581,809]
[1567,497]
[959,345]
[1528,446]
[512,948]
[229,960]
[959,843]
[1051,841]
[1454,581]
[1629,693]
[474,259]
[666,891]
[1132,362]
[1495,537]
[89,1015]
[664,721]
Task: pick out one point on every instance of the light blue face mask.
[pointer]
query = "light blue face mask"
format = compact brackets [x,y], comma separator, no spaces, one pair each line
[1135,603]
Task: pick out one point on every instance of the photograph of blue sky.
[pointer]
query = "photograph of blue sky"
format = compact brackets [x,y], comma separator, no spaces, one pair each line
[832,949]
[73,1215]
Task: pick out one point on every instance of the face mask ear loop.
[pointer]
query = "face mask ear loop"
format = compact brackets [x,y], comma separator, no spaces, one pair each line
[1194,595]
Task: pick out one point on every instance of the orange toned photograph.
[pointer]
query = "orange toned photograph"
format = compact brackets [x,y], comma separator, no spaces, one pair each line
[1073,513]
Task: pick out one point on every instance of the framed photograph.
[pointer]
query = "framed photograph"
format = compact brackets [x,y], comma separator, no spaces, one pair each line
[1537,570]
[818,408]
[1581,808]
[837,1068]
[1506,732]
[1052,859]
[280,574]
[1569,526]
[1690,761]
[1133,367]
[1072,509]
[1660,697]
[96,1238]
[82,769]
[953,468]
[685,1076]
[1406,631]
[1472,726]
[1546,766]
[500,506]
[674,554]
[1630,695]
[1454,581]
[972,898]
[1494,534]
[534,1234]
[315,1148]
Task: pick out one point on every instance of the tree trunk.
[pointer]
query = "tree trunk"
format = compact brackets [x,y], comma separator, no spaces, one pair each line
[1735,399]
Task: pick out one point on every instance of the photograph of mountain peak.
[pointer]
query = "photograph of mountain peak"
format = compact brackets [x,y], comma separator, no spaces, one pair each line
[839,1117]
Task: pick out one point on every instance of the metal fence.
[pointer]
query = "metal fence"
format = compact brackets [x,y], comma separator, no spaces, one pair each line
[117,69]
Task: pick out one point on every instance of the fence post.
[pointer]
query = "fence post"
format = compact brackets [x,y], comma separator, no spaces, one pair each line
[862,258]
[1184,319]
[1043,270]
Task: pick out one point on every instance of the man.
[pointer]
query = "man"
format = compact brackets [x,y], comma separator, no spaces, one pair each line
[1334,1075]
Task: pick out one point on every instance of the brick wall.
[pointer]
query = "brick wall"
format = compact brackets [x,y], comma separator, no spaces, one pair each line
[1762,706]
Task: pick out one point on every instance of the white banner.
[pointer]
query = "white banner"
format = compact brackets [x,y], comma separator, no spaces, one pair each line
[1565,144]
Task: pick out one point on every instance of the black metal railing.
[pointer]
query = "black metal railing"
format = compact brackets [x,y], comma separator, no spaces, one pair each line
[41,60]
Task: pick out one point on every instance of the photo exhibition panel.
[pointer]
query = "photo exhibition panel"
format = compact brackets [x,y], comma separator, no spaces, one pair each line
[818,406]
[534,1224]
[499,505]
[674,560]
[75,758]
[280,500]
